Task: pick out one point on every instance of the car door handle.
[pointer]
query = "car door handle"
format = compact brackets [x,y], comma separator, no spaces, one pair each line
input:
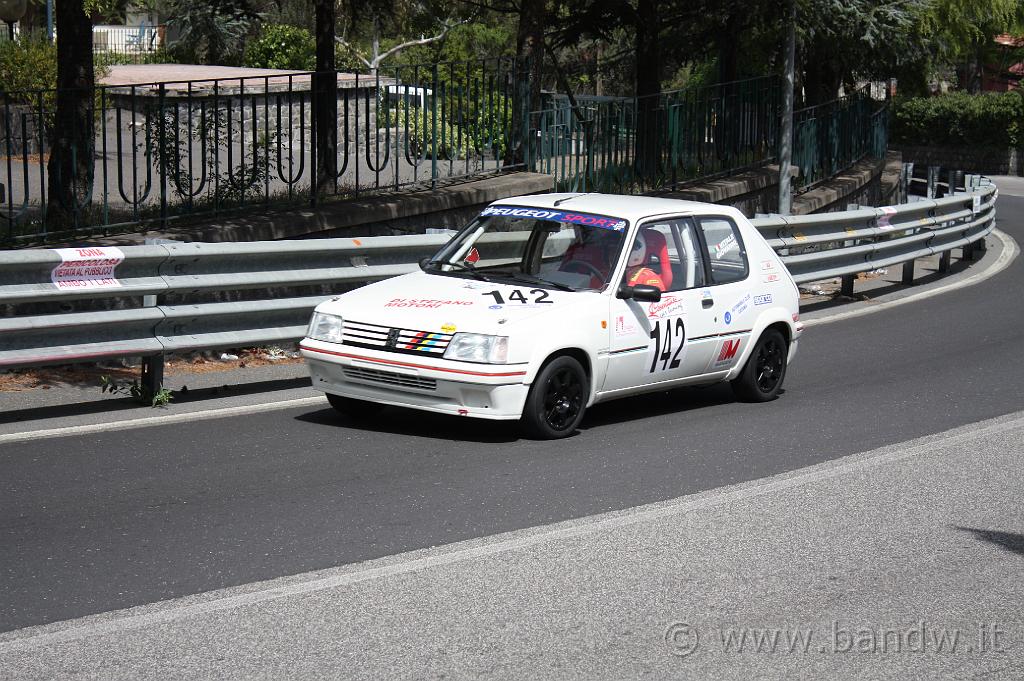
[707,302]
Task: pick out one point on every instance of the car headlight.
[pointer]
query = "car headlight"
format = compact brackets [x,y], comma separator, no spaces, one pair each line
[325,327]
[477,347]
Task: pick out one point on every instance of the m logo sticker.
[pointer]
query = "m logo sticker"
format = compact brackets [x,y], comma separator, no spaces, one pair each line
[729,349]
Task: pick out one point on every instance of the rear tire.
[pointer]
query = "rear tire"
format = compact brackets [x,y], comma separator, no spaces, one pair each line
[356,409]
[557,400]
[762,375]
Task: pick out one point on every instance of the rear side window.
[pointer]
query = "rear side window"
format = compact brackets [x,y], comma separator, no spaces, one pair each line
[725,251]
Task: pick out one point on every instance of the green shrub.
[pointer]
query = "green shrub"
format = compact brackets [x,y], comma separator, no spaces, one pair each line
[280,46]
[959,119]
[481,131]
[29,64]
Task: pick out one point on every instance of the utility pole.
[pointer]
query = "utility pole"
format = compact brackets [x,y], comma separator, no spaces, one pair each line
[786,131]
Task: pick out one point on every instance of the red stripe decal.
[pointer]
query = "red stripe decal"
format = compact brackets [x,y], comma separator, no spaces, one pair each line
[408,364]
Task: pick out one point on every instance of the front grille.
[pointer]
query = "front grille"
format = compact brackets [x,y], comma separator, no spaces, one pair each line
[389,339]
[389,378]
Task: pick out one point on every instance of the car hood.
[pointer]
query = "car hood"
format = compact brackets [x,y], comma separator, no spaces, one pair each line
[430,302]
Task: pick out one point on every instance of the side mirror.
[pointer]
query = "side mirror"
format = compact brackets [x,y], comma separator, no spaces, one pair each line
[641,292]
[424,262]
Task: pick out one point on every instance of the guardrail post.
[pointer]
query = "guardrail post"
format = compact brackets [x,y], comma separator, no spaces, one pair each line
[152,367]
[908,273]
[933,181]
[944,261]
[846,285]
[906,175]
[967,252]
[956,178]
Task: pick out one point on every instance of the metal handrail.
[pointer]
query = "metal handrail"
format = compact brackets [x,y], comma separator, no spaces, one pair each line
[812,247]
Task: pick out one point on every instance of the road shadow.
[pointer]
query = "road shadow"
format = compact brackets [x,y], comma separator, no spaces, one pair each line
[1010,541]
[879,290]
[662,403]
[120,404]
[400,421]
[425,424]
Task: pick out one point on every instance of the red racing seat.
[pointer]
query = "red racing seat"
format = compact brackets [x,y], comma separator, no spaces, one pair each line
[657,247]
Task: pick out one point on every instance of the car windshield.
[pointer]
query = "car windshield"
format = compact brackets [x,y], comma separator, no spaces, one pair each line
[565,250]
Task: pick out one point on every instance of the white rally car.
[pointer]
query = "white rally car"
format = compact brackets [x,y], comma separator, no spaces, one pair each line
[544,305]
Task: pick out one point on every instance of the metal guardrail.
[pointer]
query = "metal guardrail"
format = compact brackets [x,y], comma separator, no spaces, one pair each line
[813,247]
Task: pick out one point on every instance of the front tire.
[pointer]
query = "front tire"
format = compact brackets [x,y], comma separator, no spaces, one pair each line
[557,400]
[762,375]
[355,409]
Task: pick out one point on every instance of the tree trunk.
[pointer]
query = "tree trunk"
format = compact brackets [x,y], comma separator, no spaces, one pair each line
[325,99]
[822,78]
[71,166]
[648,88]
[728,50]
[526,97]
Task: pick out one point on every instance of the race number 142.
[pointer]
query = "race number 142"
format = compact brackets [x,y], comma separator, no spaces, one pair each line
[666,335]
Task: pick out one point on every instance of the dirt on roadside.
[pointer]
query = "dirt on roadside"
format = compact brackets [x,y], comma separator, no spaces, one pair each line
[85,375]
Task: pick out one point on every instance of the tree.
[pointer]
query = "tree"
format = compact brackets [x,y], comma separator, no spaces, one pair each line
[72,147]
[645,20]
[377,57]
[533,15]
[211,31]
[840,41]
[407,23]
[325,94]
[961,32]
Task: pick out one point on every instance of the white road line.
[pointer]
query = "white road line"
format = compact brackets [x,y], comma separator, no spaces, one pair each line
[286,587]
[1006,256]
[162,420]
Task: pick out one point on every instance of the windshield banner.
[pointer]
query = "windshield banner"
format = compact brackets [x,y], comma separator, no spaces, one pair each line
[588,219]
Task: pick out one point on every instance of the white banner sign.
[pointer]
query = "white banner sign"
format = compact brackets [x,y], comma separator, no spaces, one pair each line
[82,268]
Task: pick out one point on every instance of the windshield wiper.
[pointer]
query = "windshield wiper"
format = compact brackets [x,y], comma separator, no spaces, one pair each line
[464,266]
[529,278]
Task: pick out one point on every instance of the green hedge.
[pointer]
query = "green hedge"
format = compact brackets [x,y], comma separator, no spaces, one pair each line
[282,47]
[961,120]
[26,65]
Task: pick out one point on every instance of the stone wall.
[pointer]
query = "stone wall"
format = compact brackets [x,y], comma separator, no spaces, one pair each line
[969,159]
[754,191]
[413,212]
[871,182]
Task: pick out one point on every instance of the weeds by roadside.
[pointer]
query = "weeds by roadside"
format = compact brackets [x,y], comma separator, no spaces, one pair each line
[161,398]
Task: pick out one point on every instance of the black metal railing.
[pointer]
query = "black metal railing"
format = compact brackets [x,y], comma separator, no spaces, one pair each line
[164,151]
[831,137]
[637,144]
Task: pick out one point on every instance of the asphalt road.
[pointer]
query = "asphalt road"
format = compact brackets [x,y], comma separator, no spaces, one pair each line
[98,522]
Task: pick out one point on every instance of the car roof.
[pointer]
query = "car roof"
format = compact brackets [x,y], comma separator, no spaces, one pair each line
[631,208]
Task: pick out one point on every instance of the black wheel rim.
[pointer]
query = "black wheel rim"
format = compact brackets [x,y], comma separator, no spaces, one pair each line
[770,362]
[563,399]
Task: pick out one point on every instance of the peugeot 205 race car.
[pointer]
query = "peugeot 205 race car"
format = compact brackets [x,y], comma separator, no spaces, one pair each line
[544,305]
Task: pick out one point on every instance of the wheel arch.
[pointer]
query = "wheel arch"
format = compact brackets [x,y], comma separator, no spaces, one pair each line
[579,354]
[781,327]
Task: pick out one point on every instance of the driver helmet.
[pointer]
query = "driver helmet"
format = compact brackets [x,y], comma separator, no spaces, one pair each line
[638,251]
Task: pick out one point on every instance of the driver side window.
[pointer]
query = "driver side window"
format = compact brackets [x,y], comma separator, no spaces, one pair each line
[666,255]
